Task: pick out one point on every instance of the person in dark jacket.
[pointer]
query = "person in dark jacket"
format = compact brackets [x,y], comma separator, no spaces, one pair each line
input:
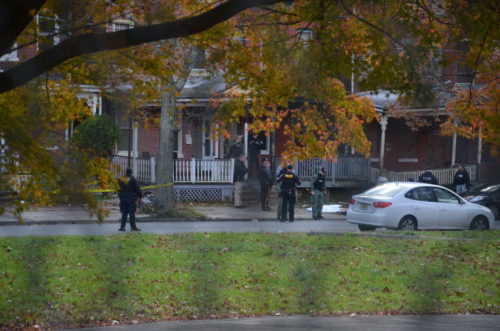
[237,149]
[461,181]
[128,192]
[428,178]
[318,188]
[289,182]
[279,173]
[266,184]
[255,145]
[240,171]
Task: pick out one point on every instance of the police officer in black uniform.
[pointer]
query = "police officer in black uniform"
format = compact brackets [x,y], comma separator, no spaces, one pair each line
[129,192]
[289,182]
[428,178]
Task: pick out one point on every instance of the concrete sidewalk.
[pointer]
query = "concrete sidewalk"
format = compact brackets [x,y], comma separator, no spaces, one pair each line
[78,215]
[375,323]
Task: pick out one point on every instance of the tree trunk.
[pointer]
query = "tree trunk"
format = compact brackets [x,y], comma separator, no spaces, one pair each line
[164,202]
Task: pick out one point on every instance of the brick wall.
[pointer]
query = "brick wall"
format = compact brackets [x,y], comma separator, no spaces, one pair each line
[148,139]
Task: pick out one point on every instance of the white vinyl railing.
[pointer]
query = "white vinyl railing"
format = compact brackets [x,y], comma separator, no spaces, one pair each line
[352,167]
[203,171]
[144,169]
[444,176]
[184,171]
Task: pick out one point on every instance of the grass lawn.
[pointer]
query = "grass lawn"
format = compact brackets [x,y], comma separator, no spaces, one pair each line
[64,281]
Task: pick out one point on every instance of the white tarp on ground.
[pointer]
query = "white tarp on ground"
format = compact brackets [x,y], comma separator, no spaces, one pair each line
[331,209]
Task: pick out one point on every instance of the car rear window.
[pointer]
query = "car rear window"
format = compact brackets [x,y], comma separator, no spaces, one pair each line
[384,190]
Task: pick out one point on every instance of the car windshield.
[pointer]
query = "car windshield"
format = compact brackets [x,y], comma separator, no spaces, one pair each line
[489,189]
[385,190]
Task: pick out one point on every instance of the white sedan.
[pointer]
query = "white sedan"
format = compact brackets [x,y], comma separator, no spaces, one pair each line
[412,206]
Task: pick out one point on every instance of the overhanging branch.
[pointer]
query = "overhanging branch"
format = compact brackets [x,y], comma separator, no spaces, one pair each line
[98,42]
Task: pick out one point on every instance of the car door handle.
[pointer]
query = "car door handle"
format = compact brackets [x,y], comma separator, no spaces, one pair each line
[417,208]
[442,209]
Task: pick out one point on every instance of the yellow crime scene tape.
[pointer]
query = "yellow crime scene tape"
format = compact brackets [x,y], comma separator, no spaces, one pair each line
[142,188]
[114,190]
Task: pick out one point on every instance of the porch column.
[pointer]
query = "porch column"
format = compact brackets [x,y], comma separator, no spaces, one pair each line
[245,145]
[135,153]
[454,149]
[383,127]
[217,142]
[245,141]
[479,147]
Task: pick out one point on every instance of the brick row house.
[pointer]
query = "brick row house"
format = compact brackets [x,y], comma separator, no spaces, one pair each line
[400,149]
[202,162]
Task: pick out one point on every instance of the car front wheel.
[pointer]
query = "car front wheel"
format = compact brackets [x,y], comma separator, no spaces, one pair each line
[479,223]
[363,227]
[407,223]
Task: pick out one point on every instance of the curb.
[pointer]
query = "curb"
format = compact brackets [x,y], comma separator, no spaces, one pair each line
[150,220]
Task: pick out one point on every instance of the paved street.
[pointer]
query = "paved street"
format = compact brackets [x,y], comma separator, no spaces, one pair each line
[78,215]
[385,323]
[177,227]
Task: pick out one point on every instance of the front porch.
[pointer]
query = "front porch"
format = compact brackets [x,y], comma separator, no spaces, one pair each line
[347,171]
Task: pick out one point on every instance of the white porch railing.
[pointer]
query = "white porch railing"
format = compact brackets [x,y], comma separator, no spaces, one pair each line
[444,176]
[184,171]
[144,169]
[350,167]
[203,171]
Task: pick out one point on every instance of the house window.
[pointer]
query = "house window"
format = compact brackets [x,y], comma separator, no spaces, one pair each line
[209,144]
[123,144]
[267,142]
[47,30]
[304,34]
[126,133]
[178,143]
[120,25]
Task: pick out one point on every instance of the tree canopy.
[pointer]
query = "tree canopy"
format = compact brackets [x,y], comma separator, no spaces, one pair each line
[291,62]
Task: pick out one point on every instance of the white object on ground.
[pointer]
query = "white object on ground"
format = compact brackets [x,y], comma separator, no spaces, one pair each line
[330,209]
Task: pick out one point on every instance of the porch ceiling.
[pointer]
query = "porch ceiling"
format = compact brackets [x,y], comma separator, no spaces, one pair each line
[385,100]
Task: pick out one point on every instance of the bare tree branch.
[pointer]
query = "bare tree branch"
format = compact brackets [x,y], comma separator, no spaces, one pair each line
[97,42]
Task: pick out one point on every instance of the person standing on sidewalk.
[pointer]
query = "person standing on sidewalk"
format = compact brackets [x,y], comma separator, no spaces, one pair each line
[240,171]
[318,187]
[266,184]
[427,177]
[289,181]
[279,173]
[129,192]
[461,181]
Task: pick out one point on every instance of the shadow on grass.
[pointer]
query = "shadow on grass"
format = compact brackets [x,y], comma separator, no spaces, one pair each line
[314,275]
[206,266]
[161,277]
[31,289]
[111,280]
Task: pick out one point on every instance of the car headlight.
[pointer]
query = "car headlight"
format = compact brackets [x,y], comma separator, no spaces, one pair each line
[477,198]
